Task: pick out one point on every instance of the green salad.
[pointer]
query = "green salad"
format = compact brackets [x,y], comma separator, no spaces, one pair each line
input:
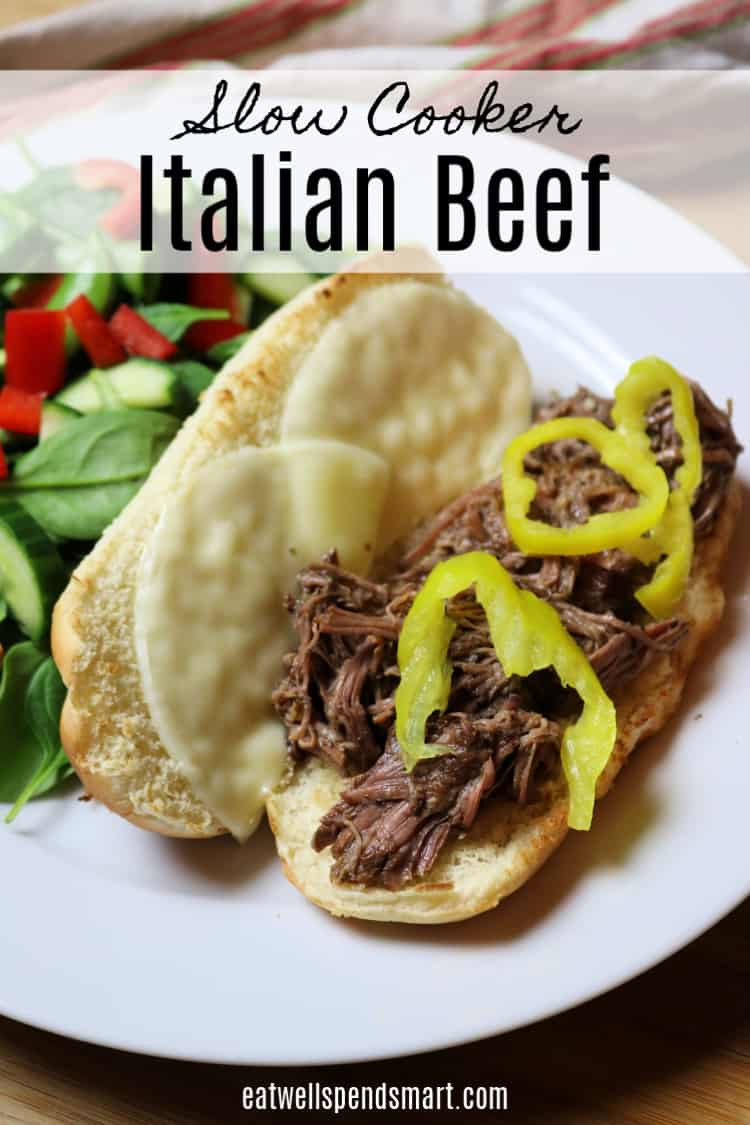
[99,369]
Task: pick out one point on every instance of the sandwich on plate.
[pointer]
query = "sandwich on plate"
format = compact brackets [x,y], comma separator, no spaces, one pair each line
[372,590]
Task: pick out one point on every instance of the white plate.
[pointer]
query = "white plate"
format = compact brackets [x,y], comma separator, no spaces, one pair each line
[203,951]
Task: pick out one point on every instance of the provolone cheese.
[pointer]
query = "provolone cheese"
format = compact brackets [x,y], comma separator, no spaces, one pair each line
[426,379]
[211,628]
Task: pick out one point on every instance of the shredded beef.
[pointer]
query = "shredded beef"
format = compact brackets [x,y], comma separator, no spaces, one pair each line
[720,451]
[719,445]
[337,694]
[389,826]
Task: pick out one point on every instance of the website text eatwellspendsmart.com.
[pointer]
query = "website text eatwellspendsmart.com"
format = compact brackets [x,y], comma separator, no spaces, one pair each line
[317,1096]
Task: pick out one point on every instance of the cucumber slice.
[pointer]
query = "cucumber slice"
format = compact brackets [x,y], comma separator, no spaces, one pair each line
[110,399]
[99,287]
[55,417]
[145,383]
[32,574]
[277,287]
[81,395]
[139,383]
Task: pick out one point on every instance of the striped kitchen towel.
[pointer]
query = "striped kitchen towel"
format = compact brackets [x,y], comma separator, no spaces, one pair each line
[486,34]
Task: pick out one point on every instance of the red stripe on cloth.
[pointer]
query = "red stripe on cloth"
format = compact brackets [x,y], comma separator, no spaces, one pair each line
[511,26]
[38,110]
[288,23]
[597,53]
[179,46]
[680,14]
[229,35]
[691,20]
[509,57]
[555,16]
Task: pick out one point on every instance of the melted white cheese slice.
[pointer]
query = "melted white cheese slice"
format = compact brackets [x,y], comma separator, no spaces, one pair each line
[210,625]
[423,377]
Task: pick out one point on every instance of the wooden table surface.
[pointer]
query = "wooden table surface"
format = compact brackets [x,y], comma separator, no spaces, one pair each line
[670,1048]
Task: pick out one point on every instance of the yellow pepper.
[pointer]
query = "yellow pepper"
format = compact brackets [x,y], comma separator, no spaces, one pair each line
[527,635]
[664,515]
[673,537]
[602,531]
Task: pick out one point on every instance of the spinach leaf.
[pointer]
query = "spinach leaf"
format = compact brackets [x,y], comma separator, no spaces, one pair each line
[79,513]
[76,481]
[43,701]
[20,754]
[111,445]
[195,377]
[225,349]
[173,320]
[140,286]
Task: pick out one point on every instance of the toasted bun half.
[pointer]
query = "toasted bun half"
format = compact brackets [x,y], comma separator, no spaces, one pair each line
[107,729]
[507,842]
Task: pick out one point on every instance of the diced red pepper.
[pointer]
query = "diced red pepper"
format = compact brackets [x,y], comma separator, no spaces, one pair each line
[101,345]
[20,412]
[35,350]
[138,337]
[203,335]
[121,221]
[37,294]
[3,465]
[214,291]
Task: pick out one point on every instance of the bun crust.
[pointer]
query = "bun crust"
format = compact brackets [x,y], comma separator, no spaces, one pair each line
[106,727]
[507,842]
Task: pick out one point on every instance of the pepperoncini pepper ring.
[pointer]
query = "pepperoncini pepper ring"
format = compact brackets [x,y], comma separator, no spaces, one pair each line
[670,539]
[527,635]
[601,531]
[673,537]
[646,380]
